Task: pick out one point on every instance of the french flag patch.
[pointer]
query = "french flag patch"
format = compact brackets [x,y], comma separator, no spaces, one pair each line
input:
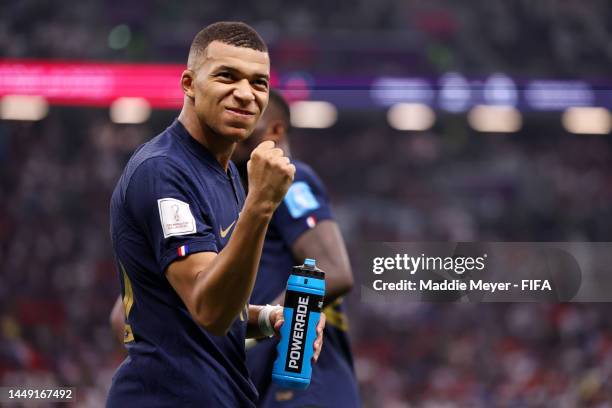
[183,250]
[311,221]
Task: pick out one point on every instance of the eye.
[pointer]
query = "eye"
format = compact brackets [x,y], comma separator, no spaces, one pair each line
[261,83]
[225,75]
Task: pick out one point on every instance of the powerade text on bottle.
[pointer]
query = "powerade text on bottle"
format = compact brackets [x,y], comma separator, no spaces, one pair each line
[303,304]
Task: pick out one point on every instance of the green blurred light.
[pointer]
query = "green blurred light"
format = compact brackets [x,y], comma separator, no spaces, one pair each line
[119,37]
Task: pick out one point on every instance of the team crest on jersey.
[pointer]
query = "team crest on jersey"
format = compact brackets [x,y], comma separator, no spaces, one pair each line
[300,199]
[176,217]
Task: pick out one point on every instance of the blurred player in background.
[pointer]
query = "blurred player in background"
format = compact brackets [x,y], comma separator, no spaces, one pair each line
[301,227]
[187,261]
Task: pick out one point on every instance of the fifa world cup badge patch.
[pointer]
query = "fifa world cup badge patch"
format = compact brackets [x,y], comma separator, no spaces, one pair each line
[300,199]
[176,217]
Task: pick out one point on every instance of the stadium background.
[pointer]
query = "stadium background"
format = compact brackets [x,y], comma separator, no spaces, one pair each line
[533,176]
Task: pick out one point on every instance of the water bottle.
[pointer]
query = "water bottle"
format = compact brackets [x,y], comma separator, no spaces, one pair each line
[303,305]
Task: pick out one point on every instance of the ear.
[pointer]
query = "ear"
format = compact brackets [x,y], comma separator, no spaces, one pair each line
[187,80]
[277,131]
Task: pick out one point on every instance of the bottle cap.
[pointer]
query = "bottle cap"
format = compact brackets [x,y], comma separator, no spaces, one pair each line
[309,269]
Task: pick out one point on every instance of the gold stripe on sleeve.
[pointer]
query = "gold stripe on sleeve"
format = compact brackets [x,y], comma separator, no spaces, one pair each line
[128,302]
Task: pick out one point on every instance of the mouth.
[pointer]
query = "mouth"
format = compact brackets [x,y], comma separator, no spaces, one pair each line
[240,112]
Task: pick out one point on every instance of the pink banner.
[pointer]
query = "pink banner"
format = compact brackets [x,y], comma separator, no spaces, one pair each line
[92,83]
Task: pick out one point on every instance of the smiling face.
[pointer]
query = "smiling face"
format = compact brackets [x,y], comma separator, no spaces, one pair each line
[229,89]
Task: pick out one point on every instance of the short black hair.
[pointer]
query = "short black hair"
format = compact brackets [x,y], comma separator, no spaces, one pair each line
[278,102]
[228,32]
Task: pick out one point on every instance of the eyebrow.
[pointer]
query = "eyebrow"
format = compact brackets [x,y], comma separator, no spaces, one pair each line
[237,71]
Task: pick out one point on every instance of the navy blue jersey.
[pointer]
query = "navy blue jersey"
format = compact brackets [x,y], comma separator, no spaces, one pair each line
[333,382]
[174,199]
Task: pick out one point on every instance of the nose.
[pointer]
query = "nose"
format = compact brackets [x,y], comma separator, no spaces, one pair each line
[243,91]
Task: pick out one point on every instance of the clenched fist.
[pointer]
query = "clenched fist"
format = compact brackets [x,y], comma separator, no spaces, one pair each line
[270,174]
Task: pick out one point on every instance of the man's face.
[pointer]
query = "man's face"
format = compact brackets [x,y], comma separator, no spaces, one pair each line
[231,89]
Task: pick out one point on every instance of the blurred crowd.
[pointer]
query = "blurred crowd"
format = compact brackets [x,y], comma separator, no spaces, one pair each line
[486,355]
[549,37]
[540,184]
[58,274]
[59,283]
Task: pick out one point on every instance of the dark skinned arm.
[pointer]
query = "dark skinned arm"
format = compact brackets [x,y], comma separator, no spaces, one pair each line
[324,243]
[117,320]
[215,287]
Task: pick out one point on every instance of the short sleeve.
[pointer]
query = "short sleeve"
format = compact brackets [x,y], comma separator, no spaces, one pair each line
[304,206]
[163,201]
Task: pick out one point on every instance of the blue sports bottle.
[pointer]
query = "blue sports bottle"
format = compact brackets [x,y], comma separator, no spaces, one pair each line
[303,304]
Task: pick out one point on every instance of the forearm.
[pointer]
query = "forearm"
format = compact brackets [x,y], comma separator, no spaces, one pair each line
[339,277]
[325,244]
[253,330]
[335,285]
[221,292]
[117,320]
[334,288]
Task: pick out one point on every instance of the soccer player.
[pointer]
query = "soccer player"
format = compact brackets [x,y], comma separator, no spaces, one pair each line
[187,241]
[301,227]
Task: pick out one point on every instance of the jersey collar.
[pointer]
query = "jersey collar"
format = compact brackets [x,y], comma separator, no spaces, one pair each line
[196,147]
